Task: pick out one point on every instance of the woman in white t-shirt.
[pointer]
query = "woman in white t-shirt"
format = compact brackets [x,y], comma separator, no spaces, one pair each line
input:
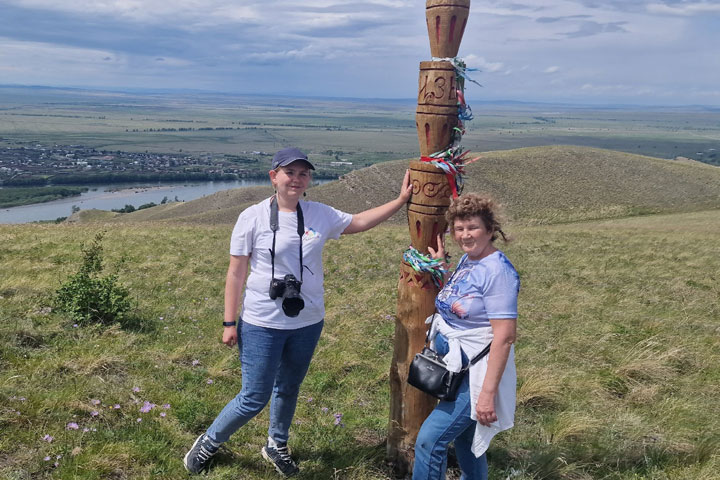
[477,306]
[280,240]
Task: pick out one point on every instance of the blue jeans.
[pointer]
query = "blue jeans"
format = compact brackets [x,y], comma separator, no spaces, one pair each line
[274,364]
[450,421]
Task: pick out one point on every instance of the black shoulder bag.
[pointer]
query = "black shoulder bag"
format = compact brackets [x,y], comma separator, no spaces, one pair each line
[429,373]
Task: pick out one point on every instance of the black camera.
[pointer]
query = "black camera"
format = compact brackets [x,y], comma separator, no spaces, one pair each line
[289,289]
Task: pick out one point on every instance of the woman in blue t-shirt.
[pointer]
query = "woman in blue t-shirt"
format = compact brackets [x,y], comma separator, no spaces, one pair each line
[478,305]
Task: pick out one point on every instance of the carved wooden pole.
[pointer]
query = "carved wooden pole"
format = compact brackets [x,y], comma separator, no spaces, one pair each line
[436,118]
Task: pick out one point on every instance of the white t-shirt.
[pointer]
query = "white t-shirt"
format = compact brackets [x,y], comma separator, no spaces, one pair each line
[252,236]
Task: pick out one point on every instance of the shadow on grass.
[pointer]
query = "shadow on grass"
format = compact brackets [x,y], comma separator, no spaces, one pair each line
[136,323]
[348,461]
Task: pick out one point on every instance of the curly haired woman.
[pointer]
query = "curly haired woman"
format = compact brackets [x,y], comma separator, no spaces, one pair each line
[477,307]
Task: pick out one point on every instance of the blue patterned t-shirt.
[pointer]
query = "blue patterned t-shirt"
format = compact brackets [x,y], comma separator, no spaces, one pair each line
[478,291]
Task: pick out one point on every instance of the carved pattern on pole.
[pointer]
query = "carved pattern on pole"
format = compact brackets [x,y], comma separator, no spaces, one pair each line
[436,118]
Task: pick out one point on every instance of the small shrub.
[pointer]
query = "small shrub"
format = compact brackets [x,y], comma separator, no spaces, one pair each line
[88,297]
[126,209]
[147,205]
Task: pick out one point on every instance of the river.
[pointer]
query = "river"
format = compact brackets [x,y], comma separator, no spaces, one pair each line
[115,196]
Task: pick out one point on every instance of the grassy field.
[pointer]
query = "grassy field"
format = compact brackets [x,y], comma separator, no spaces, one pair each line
[618,355]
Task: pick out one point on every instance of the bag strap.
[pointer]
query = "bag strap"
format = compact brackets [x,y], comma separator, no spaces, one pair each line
[480,355]
[274,227]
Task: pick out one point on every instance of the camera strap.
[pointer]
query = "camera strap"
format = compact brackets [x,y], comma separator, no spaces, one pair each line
[274,225]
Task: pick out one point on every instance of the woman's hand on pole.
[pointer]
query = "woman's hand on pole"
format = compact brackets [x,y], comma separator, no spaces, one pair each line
[369,218]
[440,252]
[406,189]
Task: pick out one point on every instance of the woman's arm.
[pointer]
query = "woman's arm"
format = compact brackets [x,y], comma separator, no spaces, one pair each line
[234,283]
[504,331]
[369,218]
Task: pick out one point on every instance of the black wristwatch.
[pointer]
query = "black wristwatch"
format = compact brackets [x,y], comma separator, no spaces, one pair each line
[229,324]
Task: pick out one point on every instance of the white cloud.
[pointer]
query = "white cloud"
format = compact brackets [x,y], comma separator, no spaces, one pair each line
[684,9]
[473,61]
[207,12]
[552,69]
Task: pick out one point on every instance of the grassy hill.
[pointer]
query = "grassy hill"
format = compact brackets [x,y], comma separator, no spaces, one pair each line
[618,355]
[537,185]
[618,351]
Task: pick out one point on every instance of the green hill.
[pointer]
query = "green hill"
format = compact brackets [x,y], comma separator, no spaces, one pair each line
[537,185]
[618,355]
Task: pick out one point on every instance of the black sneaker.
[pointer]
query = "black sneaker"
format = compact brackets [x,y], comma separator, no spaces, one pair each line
[280,457]
[198,458]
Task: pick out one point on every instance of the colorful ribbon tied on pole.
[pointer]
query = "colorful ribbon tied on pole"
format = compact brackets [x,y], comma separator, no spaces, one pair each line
[452,161]
[426,264]
[461,70]
[464,110]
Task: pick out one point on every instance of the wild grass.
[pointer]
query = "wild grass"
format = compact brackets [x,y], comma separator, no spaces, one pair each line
[618,355]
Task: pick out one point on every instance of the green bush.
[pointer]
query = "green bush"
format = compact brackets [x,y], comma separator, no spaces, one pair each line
[88,297]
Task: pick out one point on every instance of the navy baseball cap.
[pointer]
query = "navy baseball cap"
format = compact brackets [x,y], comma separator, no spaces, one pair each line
[286,156]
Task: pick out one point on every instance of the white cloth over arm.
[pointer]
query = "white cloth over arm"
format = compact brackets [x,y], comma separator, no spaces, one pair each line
[472,342]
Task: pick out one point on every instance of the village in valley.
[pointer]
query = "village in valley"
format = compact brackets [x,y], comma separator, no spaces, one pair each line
[31,163]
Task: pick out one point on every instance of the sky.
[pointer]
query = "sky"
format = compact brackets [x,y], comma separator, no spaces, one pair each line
[645,52]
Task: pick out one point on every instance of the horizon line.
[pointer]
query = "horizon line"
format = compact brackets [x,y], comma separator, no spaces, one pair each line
[185,91]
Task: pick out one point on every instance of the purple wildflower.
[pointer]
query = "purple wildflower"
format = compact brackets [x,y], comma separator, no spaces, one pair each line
[163,414]
[75,325]
[71,426]
[147,406]
[95,401]
[139,420]
[210,381]
[310,399]
[47,459]
[136,389]
[338,418]
[116,406]
[195,362]
[94,413]
[48,438]
[324,409]
[86,430]
[166,406]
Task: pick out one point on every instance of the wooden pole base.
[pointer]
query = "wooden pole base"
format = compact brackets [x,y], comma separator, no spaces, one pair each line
[409,406]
